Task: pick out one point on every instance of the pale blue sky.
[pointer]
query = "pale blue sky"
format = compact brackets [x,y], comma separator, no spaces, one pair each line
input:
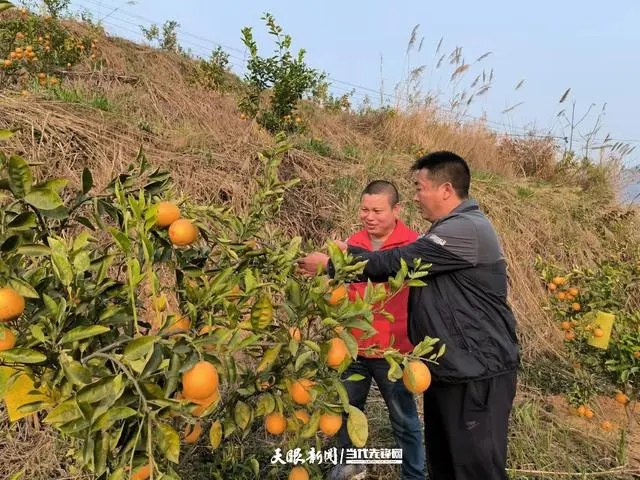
[592,47]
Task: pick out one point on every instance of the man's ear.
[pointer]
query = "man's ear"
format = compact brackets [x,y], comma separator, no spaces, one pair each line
[396,210]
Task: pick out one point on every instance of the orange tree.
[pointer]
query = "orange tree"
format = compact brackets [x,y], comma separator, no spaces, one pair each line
[141,315]
[579,299]
[35,48]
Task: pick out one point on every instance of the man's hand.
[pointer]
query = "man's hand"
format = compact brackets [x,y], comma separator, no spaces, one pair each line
[310,263]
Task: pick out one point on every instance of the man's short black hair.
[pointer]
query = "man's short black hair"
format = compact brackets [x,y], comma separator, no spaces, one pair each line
[378,187]
[444,166]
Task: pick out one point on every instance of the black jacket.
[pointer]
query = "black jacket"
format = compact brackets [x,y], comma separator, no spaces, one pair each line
[465,300]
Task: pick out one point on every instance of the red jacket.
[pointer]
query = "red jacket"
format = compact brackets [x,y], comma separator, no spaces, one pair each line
[397,306]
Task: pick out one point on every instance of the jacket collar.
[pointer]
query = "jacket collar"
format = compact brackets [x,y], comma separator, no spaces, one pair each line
[401,233]
[467,205]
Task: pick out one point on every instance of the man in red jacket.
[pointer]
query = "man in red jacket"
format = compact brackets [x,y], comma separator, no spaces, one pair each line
[379,206]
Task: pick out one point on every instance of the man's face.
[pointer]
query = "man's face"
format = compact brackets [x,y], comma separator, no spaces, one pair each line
[430,197]
[377,215]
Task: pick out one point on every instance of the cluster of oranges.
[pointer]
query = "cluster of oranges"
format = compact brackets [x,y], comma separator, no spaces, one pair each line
[288,118]
[566,295]
[606,425]
[11,307]
[182,232]
[19,55]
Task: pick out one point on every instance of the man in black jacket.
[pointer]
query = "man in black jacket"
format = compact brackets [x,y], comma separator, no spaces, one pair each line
[467,407]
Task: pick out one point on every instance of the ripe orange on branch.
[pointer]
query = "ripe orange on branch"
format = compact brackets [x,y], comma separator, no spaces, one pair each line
[11,304]
[416,377]
[200,382]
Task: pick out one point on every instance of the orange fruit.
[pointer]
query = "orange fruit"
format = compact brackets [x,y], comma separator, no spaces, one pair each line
[575,307]
[298,473]
[338,351]
[416,376]
[11,304]
[275,423]
[582,410]
[568,336]
[330,424]
[182,232]
[337,295]
[606,425]
[637,354]
[559,281]
[200,382]
[621,398]
[598,332]
[167,214]
[142,473]
[302,415]
[588,413]
[7,63]
[300,391]
[573,291]
[13,55]
[204,405]
[566,325]
[295,333]
[562,296]
[181,325]
[7,339]
[191,436]
[552,287]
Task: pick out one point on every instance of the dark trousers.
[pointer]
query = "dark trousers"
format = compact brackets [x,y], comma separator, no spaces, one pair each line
[466,428]
[403,412]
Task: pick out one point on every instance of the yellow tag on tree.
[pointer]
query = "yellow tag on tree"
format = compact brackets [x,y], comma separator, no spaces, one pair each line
[603,321]
[17,394]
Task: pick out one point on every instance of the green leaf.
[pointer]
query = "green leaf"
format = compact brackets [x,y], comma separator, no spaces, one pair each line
[38,333]
[33,407]
[59,213]
[76,373]
[269,358]
[87,180]
[5,134]
[56,184]
[23,288]
[10,243]
[43,199]
[64,413]
[24,221]
[215,434]
[169,442]
[60,261]
[82,333]
[342,393]
[33,250]
[358,427]
[356,377]
[265,405]
[312,345]
[20,176]
[111,416]
[139,347]
[310,429]
[22,355]
[99,390]
[242,414]
[302,359]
